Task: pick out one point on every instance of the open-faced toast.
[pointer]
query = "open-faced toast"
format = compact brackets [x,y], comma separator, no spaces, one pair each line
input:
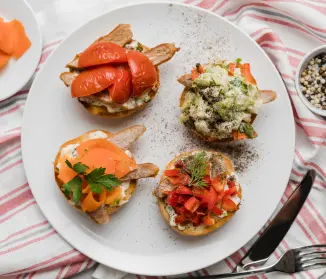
[198,192]
[132,66]
[96,172]
[221,100]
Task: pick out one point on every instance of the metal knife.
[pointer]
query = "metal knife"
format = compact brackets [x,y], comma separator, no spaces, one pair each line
[277,229]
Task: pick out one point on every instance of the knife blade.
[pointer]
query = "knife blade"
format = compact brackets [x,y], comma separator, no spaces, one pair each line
[279,226]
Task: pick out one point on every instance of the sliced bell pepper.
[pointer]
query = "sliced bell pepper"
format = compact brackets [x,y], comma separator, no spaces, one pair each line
[218,183]
[180,219]
[192,204]
[245,71]
[217,211]
[172,199]
[93,81]
[228,204]
[143,72]
[102,53]
[231,69]
[121,90]
[212,198]
[172,172]
[208,220]
[231,191]
[183,190]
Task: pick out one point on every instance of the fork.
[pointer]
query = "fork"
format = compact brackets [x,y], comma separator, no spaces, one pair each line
[294,260]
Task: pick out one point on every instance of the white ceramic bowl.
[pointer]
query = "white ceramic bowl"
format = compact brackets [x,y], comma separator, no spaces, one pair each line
[303,64]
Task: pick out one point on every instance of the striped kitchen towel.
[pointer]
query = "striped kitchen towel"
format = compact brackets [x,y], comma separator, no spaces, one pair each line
[285,29]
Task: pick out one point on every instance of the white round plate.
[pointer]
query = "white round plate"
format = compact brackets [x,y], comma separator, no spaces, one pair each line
[137,240]
[17,72]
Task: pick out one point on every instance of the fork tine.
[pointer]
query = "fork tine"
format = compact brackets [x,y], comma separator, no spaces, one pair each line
[313,264]
[313,255]
[310,249]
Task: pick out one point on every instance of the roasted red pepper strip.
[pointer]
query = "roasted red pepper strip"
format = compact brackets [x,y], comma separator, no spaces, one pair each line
[102,53]
[121,90]
[183,190]
[173,172]
[93,81]
[228,204]
[217,211]
[218,183]
[143,72]
[245,71]
[192,204]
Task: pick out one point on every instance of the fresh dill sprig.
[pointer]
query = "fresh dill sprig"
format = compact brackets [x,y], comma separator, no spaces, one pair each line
[197,169]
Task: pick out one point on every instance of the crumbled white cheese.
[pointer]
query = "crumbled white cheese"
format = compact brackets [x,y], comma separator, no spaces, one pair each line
[97,135]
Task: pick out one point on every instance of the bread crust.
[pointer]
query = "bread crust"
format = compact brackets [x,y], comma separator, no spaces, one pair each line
[109,210]
[208,138]
[199,230]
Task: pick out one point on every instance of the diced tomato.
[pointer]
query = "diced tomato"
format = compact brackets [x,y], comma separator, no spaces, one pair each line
[231,191]
[195,220]
[228,204]
[217,211]
[174,180]
[180,219]
[172,199]
[121,90]
[93,81]
[218,183]
[231,183]
[212,198]
[220,196]
[207,179]
[143,72]
[183,190]
[199,193]
[182,199]
[208,220]
[102,53]
[192,204]
[173,172]
[245,71]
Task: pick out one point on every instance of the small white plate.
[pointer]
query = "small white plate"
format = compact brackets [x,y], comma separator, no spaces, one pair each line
[137,240]
[17,73]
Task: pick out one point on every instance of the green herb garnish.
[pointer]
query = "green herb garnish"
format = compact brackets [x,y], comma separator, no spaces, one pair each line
[197,169]
[139,47]
[96,179]
[247,129]
[238,60]
[78,167]
[74,186]
[238,83]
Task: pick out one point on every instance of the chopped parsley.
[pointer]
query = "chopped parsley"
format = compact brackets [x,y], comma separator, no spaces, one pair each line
[96,179]
[247,129]
[197,169]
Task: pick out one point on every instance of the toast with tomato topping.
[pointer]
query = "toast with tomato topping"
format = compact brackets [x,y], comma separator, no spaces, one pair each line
[116,75]
[97,174]
[198,192]
[221,100]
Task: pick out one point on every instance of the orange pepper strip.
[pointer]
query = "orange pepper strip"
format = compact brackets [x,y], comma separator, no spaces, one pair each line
[231,69]
[90,204]
[245,71]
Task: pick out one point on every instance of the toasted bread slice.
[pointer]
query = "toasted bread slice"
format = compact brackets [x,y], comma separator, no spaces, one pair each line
[123,139]
[96,103]
[190,229]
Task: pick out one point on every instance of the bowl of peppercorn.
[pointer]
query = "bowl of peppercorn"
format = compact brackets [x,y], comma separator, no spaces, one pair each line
[310,80]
